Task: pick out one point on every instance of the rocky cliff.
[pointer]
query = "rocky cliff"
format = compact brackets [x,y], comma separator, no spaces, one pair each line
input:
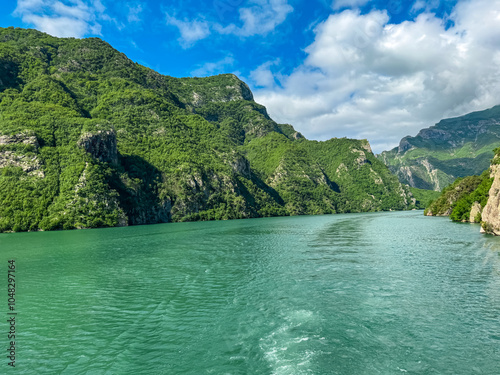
[491,212]
[101,145]
[453,148]
[474,199]
[457,200]
[21,150]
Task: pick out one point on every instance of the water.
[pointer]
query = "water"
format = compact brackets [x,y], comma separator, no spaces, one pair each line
[383,293]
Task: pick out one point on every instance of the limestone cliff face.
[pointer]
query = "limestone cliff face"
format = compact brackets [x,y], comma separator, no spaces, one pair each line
[474,212]
[101,145]
[491,212]
[21,150]
[453,148]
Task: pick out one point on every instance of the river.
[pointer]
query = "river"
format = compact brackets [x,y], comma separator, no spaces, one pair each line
[376,293]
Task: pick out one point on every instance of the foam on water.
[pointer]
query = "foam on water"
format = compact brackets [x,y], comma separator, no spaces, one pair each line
[285,348]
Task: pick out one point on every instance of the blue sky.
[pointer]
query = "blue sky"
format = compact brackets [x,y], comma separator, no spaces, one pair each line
[370,69]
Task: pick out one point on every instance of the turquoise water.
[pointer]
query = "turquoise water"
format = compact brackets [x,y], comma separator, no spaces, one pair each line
[381,293]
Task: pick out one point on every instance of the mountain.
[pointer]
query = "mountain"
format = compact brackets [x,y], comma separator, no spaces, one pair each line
[464,199]
[474,199]
[89,138]
[453,148]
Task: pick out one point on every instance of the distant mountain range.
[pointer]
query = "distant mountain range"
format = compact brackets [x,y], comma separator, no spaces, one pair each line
[455,147]
[89,138]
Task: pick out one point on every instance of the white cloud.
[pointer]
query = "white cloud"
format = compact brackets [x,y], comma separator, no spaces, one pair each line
[212,68]
[98,6]
[425,5]
[62,26]
[338,4]
[59,19]
[366,78]
[29,5]
[79,11]
[134,13]
[191,31]
[260,17]
[263,76]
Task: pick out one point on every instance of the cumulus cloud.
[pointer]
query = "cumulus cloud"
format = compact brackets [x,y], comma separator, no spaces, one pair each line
[367,78]
[259,17]
[54,17]
[263,75]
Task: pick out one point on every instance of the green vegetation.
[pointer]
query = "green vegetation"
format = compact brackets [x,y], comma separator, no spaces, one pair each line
[89,139]
[453,148]
[458,199]
[424,197]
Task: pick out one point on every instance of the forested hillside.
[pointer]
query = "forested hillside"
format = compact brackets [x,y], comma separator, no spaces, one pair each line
[89,138]
[464,199]
[474,199]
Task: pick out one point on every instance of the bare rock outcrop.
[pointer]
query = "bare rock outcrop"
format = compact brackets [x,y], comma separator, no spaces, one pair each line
[101,145]
[21,150]
[491,212]
[475,211]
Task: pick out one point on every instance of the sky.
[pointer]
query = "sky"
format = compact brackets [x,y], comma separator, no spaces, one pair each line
[365,69]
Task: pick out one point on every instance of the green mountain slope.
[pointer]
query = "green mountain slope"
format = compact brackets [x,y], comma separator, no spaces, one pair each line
[458,199]
[453,148]
[472,199]
[89,138]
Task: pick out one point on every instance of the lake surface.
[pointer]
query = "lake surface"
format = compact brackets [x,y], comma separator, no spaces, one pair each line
[379,293]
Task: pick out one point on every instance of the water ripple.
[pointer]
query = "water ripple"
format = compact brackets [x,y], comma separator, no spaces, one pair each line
[383,293]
